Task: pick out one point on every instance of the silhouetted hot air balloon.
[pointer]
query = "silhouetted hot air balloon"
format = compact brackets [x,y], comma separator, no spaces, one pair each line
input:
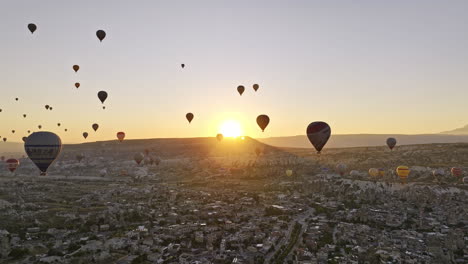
[456,172]
[103,107]
[318,133]
[13,131]
[102,95]
[66,130]
[85,134]
[29,131]
[189,117]
[16,99]
[39,126]
[24,139]
[32,27]
[219,137]
[12,164]
[58,124]
[43,148]
[95,127]
[240,89]
[120,136]
[391,143]
[138,158]
[4,139]
[50,108]
[263,121]
[182,65]
[1,110]
[289,173]
[76,67]
[101,34]
[373,172]
[47,107]
[403,172]
[341,168]
[255,87]
[77,85]
[24,115]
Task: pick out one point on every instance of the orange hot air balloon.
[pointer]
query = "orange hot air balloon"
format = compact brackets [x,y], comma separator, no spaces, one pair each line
[77,85]
[76,68]
[403,172]
[120,136]
[373,172]
[240,89]
[456,172]
[12,164]
[219,137]
[189,117]
[263,121]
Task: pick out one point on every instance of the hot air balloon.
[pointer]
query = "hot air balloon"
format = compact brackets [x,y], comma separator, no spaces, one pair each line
[437,173]
[13,131]
[12,164]
[65,130]
[120,136]
[157,160]
[80,157]
[50,108]
[76,68]
[263,121]
[318,133]
[16,99]
[182,65]
[403,172]
[103,107]
[24,115]
[189,117]
[373,172]
[341,168]
[4,139]
[32,27]
[85,134]
[456,172]
[138,158]
[47,107]
[381,172]
[95,127]
[101,34]
[1,110]
[77,85]
[391,143]
[255,87]
[58,124]
[289,173]
[219,137]
[43,148]
[103,172]
[258,151]
[102,95]
[29,131]
[24,139]
[240,89]
[39,126]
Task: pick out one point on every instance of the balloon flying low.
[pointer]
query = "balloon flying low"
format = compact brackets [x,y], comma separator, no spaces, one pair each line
[189,117]
[43,148]
[120,136]
[138,158]
[403,172]
[263,121]
[318,133]
[456,172]
[12,164]
[341,168]
[373,172]
[391,143]
[219,137]
[289,173]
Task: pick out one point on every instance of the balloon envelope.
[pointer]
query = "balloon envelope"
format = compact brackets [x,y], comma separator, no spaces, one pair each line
[138,158]
[403,171]
[255,87]
[100,34]
[318,133]
[456,172]
[32,27]
[240,89]
[374,172]
[102,95]
[24,139]
[43,148]
[341,168]
[85,134]
[289,173]
[76,68]
[95,127]
[391,143]
[263,121]
[120,136]
[219,137]
[189,117]
[12,164]
[77,85]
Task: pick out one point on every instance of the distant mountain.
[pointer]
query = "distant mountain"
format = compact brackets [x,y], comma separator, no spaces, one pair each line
[364,140]
[458,131]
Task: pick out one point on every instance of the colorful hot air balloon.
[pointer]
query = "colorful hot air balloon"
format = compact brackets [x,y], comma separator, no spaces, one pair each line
[255,87]
[391,143]
[100,34]
[289,173]
[341,168]
[85,134]
[32,27]
[120,136]
[373,172]
[381,172]
[102,95]
[219,137]
[138,158]
[189,117]
[12,164]
[43,148]
[240,89]
[95,127]
[263,121]
[318,133]
[76,68]
[77,85]
[403,172]
[456,172]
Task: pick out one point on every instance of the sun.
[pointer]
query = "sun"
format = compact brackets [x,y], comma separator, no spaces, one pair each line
[231,128]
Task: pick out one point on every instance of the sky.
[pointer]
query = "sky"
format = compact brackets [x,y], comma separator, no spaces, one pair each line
[361,66]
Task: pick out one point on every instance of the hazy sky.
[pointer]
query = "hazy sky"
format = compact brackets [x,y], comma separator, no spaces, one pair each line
[362,66]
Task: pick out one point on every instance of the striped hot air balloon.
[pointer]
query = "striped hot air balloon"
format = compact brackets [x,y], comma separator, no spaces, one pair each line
[12,164]
[456,172]
[43,148]
[403,172]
